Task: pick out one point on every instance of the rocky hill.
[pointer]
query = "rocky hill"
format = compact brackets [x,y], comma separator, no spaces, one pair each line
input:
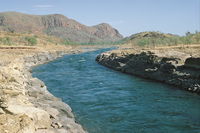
[59,26]
[150,34]
[150,38]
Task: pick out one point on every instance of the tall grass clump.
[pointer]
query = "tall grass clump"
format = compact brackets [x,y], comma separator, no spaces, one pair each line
[190,38]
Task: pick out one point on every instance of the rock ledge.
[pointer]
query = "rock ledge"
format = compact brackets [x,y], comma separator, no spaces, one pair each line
[180,72]
[26,106]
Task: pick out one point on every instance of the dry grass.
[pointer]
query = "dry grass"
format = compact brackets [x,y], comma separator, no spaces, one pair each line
[20,39]
[18,48]
[8,53]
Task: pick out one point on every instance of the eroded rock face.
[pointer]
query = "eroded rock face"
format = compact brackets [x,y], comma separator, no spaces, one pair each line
[26,106]
[151,66]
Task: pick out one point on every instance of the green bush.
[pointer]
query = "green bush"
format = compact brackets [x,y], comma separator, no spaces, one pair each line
[5,41]
[31,41]
[143,42]
[66,42]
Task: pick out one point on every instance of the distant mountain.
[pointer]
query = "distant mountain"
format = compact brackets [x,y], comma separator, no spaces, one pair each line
[152,38]
[59,26]
[150,34]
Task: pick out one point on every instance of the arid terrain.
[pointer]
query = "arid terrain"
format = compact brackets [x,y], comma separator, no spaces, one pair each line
[25,103]
[59,26]
[30,40]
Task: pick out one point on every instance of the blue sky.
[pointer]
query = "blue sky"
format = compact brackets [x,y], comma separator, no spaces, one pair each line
[128,16]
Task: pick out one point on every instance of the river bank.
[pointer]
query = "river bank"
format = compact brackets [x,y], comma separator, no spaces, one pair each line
[177,66]
[26,106]
[107,101]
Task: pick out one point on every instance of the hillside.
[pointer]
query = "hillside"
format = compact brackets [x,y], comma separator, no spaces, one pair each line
[59,26]
[161,39]
[28,39]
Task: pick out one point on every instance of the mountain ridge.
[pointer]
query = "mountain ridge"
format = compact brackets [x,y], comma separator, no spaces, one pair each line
[58,25]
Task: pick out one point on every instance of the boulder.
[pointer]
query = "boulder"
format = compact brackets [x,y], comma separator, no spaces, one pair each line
[192,62]
[16,124]
[40,117]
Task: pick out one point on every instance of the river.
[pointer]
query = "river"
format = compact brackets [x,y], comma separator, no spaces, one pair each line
[107,101]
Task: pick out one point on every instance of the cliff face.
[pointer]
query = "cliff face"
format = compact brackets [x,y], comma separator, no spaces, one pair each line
[105,31]
[59,26]
[180,72]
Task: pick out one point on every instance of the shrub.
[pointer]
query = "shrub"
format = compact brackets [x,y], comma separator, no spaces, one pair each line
[5,40]
[143,42]
[31,41]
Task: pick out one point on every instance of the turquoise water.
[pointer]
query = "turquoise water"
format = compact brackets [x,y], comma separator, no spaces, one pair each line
[106,101]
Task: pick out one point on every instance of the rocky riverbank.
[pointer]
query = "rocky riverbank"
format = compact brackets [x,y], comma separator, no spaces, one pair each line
[26,106]
[175,67]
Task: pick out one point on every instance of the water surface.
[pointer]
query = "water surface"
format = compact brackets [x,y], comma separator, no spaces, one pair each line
[106,101]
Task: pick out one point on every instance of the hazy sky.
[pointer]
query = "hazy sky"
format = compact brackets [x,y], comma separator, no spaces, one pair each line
[128,16]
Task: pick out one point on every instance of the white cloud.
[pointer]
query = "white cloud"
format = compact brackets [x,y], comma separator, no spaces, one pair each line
[43,6]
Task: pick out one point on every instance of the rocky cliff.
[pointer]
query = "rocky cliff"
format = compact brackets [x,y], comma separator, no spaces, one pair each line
[59,26]
[26,106]
[178,69]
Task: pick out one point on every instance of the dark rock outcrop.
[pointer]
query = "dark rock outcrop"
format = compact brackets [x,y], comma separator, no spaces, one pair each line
[151,66]
[193,62]
[59,26]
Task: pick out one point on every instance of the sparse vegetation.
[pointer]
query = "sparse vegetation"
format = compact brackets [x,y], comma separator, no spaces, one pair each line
[25,39]
[66,42]
[148,39]
[5,40]
[105,43]
[144,39]
[31,41]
